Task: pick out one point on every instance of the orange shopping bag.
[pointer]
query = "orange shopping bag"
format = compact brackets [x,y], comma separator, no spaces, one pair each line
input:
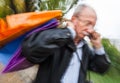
[18,24]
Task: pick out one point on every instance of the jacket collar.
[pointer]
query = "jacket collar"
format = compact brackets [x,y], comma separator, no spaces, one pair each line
[81,43]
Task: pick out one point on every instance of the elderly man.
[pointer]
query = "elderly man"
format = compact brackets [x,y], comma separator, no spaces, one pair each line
[63,54]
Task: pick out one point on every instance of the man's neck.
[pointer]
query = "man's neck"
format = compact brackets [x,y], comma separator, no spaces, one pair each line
[77,40]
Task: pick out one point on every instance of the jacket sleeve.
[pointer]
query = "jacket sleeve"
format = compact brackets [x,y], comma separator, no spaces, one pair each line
[99,63]
[38,46]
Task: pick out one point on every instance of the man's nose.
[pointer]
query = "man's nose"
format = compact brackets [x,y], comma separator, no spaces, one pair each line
[90,30]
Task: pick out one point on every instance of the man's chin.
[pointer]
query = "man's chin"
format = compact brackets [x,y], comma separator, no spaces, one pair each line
[81,37]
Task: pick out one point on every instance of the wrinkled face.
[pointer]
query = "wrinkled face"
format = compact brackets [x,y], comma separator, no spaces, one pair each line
[84,23]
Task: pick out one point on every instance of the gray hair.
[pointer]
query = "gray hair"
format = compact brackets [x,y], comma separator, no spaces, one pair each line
[80,7]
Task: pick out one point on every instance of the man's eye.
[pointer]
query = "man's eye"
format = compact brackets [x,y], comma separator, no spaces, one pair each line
[87,23]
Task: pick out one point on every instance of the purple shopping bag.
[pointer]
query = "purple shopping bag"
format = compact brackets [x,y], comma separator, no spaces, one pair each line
[18,61]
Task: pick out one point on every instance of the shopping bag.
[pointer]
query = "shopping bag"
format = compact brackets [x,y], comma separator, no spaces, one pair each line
[18,24]
[9,49]
[18,61]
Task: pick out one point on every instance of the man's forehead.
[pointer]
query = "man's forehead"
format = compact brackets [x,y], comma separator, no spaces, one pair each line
[88,12]
[87,17]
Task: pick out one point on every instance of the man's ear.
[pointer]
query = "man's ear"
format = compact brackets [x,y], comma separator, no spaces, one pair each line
[73,19]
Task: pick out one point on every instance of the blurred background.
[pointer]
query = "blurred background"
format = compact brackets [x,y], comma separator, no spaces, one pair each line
[107,25]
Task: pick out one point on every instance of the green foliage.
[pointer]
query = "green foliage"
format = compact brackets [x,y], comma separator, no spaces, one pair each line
[30,5]
[8,7]
[19,6]
[113,53]
[5,8]
[40,5]
[64,5]
[113,74]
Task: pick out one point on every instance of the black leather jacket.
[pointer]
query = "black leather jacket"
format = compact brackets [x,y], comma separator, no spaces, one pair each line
[53,49]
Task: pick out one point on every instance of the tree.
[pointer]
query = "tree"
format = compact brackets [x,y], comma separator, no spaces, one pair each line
[19,6]
[113,74]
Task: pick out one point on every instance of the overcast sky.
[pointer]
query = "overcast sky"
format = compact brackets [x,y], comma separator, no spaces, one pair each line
[108,11]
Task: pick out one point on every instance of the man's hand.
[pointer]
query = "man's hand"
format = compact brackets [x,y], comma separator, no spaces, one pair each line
[95,40]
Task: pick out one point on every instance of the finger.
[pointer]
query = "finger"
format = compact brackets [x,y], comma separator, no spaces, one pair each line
[85,33]
[95,35]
